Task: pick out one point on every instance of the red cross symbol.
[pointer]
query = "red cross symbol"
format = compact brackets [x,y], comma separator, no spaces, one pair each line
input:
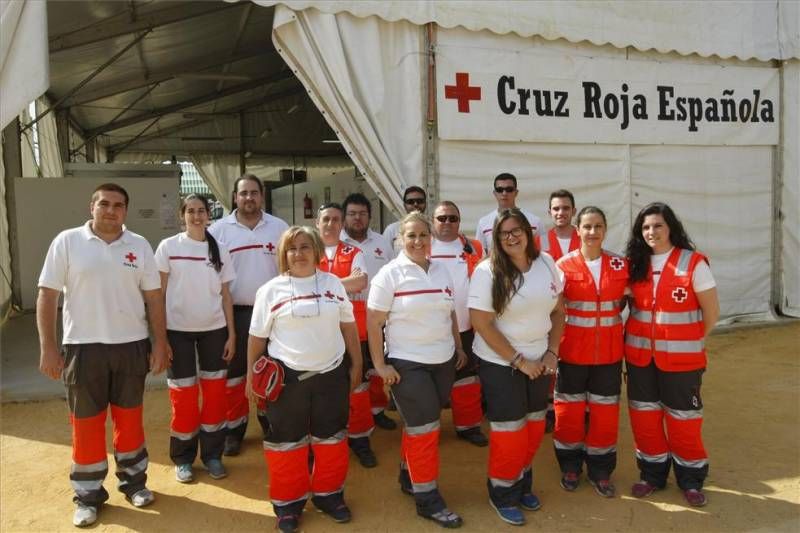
[329,294]
[347,250]
[553,287]
[130,257]
[617,263]
[269,246]
[462,92]
[463,256]
[680,295]
[378,252]
[448,291]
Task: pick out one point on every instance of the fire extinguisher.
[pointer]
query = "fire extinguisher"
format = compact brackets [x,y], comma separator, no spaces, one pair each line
[308,212]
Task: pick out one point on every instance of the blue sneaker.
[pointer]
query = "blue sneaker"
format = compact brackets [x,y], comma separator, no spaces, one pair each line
[215,469]
[511,515]
[530,502]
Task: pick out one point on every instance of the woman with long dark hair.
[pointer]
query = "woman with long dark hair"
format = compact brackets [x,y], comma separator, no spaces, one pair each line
[590,359]
[196,272]
[517,312]
[674,308]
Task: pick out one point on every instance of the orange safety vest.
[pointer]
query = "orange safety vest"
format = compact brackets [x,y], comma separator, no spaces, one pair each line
[593,332]
[553,247]
[341,267]
[670,326]
[473,253]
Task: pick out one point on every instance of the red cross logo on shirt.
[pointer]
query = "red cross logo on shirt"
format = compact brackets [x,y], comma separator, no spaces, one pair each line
[448,291]
[553,288]
[462,92]
[347,250]
[680,295]
[617,263]
[463,256]
[378,252]
[269,246]
[329,295]
[130,257]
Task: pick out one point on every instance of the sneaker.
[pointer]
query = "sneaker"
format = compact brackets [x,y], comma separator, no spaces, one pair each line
[85,515]
[474,437]
[511,515]
[530,502]
[233,446]
[366,457]
[287,523]
[642,489]
[215,469]
[570,481]
[445,518]
[695,497]
[142,498]
[604,488]
[383,421]
[340,514]
[184,473]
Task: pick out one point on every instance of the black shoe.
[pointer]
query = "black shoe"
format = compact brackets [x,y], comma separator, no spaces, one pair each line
[445,518]
[405,482]
[549,421]
[288,523]
[340,513]
[570,481]
[474,437]
[366,456]
[383,421]
[232,446]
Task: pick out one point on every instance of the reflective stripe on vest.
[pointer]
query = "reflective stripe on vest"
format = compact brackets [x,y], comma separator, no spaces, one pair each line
[589,306]
[666,317]
[586,322]
[672,347]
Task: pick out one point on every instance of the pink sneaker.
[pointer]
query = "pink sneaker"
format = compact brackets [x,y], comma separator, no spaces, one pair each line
[695,497]
[642,489]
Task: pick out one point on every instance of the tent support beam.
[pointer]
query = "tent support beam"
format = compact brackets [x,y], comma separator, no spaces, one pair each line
[192,102]
[12,162]
[430,148]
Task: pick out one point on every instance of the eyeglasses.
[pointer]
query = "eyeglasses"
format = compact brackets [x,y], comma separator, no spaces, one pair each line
[448,218]
[415,201]
[501,190]
[505,235]
[300,305]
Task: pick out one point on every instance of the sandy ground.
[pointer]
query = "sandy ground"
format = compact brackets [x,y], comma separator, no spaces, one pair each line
[752,431]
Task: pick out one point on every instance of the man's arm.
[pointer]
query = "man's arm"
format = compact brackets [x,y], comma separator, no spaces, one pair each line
[161,354]
[51,363]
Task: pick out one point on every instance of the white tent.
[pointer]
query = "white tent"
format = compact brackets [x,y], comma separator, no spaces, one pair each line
[735,184]
[386,76]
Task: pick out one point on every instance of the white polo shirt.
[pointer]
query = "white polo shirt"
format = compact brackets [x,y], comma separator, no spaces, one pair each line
[102,284]
[254,252]
[451,254]
[390,232]
[419,303]
[377,252]
[483,233]
[194,287]
[525,322]
[301,317]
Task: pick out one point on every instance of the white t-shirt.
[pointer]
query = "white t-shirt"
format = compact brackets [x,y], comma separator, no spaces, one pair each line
[194,287]
[377,253]
[419,303]
[564,243]
[525,322]
[102,284]
[451,254]
[254,252]
[483,233]
[301,318]
[702,279]
[390,233]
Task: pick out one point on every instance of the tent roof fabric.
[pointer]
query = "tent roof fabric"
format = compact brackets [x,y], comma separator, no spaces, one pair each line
[745,30]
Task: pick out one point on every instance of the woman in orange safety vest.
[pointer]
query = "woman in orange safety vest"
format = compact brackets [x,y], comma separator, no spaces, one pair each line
[590,358]
[674,307]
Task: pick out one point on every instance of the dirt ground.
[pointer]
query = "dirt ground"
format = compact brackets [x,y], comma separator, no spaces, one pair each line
[752,431]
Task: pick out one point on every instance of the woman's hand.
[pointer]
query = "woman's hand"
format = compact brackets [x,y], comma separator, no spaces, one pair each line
[388,374]
[550,362]
[230,349]
[532,369]
[461,358]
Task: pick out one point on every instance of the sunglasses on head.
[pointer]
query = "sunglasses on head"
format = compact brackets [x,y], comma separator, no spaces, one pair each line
[415,201]
[448,218]
[501,190]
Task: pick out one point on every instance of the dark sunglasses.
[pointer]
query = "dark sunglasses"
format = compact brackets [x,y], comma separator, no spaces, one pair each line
[501,190]
[448,218]
[415,201]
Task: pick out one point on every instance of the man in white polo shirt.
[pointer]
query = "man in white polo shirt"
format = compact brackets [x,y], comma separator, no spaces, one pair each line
[377,252]
[505,192]
[251,236]
[108,277]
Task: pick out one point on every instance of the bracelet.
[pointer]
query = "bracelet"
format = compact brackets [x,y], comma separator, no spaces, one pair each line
[552,352]
[513,362]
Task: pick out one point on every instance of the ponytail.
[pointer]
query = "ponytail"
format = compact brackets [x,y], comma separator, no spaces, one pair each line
[213,251]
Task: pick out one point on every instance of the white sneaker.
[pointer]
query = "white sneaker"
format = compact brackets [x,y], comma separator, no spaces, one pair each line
[142,498]
[184,473]
[85,515]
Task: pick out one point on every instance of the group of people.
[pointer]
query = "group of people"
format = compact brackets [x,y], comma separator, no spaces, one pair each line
[485,326]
